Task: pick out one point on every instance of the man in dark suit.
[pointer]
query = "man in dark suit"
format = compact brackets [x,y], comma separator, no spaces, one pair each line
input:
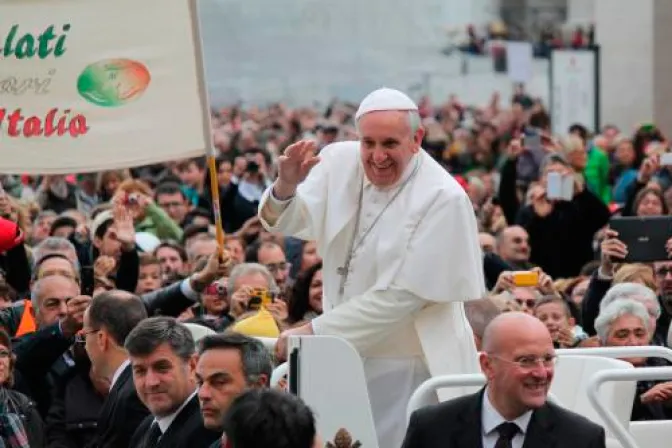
[163,360]
[228,365]
[107,322]
[511,411]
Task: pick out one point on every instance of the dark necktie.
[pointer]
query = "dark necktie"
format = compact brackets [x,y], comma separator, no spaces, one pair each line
[153,436]
[507,431]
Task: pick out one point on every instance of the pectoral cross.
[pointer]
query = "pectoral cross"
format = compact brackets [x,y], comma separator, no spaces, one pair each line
[343,271]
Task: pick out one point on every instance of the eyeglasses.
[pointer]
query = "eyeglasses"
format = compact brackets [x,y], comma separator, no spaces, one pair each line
[80,338]
[662,272]
[283,266]
[530,362]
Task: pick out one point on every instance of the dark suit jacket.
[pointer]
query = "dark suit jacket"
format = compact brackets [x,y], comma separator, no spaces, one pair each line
[121,415]
[186,430]
[457,424]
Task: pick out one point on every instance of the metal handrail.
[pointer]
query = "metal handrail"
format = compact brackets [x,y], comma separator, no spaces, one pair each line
[639,374]
[429,387]
[644,351]
[278,374]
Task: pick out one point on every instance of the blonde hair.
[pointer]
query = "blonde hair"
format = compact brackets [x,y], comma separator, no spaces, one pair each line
[505,303]
[570,144]
[635,273]
[135,186]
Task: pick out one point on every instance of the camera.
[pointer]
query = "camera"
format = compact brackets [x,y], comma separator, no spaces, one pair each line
[132,199]
[259,297]
[252,167]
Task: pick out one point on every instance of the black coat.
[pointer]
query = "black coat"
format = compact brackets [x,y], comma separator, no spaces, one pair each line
[72,420]
[186,430]
[121,415]
[457,424]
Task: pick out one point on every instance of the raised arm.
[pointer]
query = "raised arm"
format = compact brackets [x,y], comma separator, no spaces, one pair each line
[284,207]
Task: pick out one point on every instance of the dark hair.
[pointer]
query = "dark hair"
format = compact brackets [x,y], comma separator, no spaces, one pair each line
[173,245]
[148,259]
[255,358]
[270,419]
[118,312]
[553,299]
[579,130]
[199,212]
[645,192]
[153,332]
[169,188]
[6,340]
[299,301]
[62,221]
[101,230]
[192,230]
[252,251]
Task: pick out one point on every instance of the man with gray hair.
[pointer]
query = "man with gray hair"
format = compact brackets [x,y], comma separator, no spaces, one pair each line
[381,209]
[244,279]
[228,365]
[163,359]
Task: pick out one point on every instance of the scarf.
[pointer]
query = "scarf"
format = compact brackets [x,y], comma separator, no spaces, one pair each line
[12,432]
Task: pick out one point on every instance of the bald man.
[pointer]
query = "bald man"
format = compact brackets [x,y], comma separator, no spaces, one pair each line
[518,361]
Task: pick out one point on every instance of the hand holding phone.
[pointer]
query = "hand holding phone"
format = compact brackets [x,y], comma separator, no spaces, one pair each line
[559,187]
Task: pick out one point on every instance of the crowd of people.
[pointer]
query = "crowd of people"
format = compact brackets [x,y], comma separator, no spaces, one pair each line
[105,276]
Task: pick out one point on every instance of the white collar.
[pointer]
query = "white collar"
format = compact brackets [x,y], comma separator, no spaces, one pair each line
[165,422]
[491,418]
[410,168]
[117,373]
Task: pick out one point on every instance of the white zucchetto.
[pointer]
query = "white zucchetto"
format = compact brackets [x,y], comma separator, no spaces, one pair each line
[385,99]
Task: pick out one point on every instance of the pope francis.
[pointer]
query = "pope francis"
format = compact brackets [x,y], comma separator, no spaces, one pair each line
[399,243]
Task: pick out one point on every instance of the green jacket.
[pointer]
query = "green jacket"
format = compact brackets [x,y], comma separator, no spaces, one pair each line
[158,223]
[597,174]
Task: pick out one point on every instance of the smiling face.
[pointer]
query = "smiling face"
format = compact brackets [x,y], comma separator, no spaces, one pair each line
[387,145]
[518,365]
[163,380]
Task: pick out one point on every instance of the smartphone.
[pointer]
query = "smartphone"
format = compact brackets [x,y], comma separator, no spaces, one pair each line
[554,186]
[559,187]
[533,142]
[666,159]
[525,278]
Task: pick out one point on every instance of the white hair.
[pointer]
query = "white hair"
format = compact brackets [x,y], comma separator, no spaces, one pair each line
[616,309]
[244,269]
[414,121]
[633,291]
[55,245]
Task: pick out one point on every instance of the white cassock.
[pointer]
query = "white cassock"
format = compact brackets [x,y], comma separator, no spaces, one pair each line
[402,304]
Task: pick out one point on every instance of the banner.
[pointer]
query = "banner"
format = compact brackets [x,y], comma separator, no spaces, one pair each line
[88,85]
[574,92]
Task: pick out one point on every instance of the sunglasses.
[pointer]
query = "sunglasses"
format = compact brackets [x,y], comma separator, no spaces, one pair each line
[529,303]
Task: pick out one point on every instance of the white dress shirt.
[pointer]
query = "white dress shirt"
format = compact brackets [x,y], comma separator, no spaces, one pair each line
[491,419]
[165,422]
[117,373]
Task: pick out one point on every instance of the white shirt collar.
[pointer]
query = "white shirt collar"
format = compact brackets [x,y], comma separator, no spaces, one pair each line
[117,373]
[491,418]
[165,422]
[415,160]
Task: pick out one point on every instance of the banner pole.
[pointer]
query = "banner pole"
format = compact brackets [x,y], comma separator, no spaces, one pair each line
[214,194]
